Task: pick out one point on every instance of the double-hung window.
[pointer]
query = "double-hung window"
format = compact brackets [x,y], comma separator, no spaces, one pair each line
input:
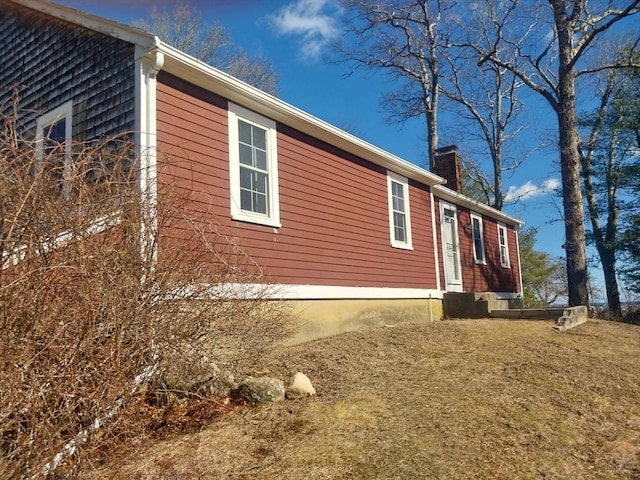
[503,245]
[478,239]
[253,167]
[399,217]
[53,142]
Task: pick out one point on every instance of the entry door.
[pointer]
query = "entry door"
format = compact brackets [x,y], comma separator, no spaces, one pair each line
[451,248]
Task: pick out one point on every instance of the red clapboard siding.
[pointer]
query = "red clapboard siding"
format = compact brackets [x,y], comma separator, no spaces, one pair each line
[492,277]
[333,206]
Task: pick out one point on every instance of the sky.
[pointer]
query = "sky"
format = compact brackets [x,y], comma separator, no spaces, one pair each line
[295,36]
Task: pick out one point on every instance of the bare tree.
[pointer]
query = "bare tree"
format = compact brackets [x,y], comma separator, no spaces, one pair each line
[186,29]
[403,39]
[544,49]
[607,153]
[487,95]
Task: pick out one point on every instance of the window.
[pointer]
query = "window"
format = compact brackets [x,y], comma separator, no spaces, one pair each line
[504,246]
[399,220]
[253,167]
[53,142]
[478,239]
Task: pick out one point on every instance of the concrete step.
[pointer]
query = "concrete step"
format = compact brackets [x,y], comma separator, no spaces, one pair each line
[552,313]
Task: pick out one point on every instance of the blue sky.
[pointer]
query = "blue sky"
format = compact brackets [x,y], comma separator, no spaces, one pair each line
[294,35]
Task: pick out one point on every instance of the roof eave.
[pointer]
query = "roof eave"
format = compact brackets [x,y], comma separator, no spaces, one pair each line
[447,194]
[123,32]
[199,73]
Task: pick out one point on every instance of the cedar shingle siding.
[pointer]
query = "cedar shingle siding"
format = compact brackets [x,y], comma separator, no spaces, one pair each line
[47,62]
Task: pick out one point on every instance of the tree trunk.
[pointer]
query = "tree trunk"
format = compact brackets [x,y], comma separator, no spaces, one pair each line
[611,283]
[577,276]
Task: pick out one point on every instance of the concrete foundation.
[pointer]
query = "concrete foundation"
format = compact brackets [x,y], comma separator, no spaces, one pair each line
[322,318]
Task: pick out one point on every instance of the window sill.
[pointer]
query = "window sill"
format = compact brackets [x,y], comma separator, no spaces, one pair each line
[402,246]
[257,220]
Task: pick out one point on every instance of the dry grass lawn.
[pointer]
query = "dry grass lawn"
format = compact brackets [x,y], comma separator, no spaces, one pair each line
[485,399]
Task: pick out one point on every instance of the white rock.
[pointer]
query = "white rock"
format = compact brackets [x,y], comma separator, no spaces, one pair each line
[300,386]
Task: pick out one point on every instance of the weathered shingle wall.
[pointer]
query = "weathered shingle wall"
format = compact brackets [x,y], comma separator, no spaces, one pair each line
[47,62]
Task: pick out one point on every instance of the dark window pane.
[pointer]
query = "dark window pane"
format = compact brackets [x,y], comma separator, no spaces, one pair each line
[260,159]
[259,182]
[244,132]
[245,178]
[246,155]
[260,203]
[399,227]
[259,138]
[245,200]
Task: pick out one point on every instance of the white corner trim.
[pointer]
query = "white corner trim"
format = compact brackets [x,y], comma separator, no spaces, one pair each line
[148,64]
[519,262]
[436,252]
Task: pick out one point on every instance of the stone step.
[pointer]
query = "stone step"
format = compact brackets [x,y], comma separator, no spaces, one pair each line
[552,313]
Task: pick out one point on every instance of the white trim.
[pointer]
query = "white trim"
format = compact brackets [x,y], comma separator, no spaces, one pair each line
[455,285]
[148,64]
[308,292]
[449,195]
[404,183]
[99,225]
[519,262]
[272,218]
[199,73]
[436,253]
[99,24]
[507,262]
[64,111]
[475,216]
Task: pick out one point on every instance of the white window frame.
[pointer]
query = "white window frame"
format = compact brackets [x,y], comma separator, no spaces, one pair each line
[395,178]
[483,261]
[64,111]
[504,257]
[272,218]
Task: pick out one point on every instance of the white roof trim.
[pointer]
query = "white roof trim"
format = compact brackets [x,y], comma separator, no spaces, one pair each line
[93,22]
[199,73]
[449,195]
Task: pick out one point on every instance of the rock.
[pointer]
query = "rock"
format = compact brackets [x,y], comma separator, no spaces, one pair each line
[258,390]
[300,386]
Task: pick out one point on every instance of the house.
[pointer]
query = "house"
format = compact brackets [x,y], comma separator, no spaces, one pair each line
[351,234]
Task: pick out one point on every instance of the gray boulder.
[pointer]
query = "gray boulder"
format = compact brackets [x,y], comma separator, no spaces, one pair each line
[258,390]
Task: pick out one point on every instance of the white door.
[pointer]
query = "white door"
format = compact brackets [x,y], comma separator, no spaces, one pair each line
[451,248]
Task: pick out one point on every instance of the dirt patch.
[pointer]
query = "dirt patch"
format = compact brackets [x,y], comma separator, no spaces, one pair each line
[456,399]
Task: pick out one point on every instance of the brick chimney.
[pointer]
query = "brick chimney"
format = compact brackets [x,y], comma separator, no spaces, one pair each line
[449,166]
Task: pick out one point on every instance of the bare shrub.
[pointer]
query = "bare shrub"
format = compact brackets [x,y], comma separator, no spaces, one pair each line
[104,289]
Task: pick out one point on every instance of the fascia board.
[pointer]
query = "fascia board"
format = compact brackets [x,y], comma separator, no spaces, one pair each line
[199,73]
[123,32]
[449,195]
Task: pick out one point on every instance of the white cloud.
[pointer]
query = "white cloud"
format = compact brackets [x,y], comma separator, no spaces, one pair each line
[530,190]
[313,20]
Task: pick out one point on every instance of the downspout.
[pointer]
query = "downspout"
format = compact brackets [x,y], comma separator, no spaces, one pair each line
[148,64]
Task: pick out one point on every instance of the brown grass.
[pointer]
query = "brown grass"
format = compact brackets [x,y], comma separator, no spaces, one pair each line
[452,400]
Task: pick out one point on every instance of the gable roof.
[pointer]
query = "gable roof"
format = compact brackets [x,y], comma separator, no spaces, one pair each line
[210,78]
